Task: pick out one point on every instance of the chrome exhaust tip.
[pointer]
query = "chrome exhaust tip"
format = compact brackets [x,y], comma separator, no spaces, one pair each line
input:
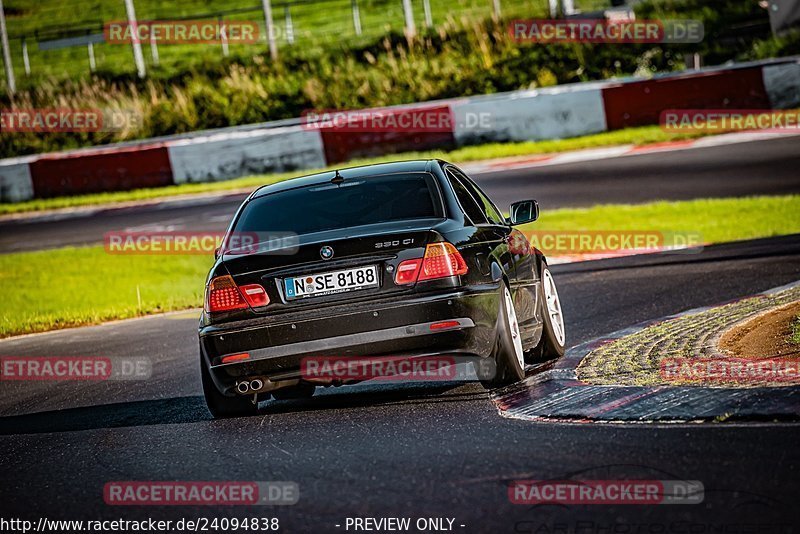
[256,384]
[243,387]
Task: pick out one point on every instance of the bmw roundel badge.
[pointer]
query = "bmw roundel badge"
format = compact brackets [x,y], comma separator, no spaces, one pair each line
[326,252]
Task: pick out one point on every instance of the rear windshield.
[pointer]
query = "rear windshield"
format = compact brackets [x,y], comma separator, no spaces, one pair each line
[355,202]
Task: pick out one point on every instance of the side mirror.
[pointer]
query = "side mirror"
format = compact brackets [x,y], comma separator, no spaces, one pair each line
[522,212]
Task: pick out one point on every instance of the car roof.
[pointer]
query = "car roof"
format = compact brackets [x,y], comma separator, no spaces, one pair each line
[364,171]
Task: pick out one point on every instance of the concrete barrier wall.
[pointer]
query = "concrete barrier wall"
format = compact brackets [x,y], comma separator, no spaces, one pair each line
[782,83]
[15,179]
[235,154]
[552,113]
[557,112]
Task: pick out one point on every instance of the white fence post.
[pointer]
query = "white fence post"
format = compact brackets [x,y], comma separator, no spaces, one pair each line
[553,6]
[12,83]
[154,49]
[496,12]
[356,16]
[92,63]
[287,13]
[138,58]
[273,48]
[26,61]
[408,13]
[223,36]
[426,5]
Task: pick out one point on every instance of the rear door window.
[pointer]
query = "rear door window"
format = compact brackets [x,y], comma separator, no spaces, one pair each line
[488,208]
[469,204]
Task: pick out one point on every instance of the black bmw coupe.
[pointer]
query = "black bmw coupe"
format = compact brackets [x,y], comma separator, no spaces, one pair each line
[407,259]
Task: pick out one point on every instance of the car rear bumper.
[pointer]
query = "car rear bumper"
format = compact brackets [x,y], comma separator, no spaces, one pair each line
[277,345]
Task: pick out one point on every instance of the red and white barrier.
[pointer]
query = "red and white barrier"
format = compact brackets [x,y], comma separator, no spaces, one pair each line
[233,154]
[419,127]
[639,103]
[558,112]
[99,170]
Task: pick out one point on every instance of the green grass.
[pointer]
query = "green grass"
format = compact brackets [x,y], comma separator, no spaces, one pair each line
[717,220]
[67,287]
[638,136]
[795,337]
[315,25]
[77,286]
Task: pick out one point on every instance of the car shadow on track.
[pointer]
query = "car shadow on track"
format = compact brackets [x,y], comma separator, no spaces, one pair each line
[192,409]
[383,395]
[174,410]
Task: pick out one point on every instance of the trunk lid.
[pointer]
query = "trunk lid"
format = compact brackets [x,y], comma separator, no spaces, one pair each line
[335,265]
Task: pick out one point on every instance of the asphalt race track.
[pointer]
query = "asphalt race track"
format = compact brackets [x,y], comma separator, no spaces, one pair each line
[758,167]
[414,451]
[419,450]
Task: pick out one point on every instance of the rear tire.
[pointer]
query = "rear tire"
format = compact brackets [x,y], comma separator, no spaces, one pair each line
[508,353]
[221,406]
[553,339]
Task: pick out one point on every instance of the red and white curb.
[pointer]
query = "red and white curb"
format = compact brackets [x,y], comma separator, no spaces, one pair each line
[555,394]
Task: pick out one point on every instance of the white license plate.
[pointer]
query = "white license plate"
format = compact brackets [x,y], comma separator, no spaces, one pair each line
[317,285]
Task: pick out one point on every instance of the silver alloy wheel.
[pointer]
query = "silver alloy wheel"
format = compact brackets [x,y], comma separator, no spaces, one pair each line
[513,325]
[553,305]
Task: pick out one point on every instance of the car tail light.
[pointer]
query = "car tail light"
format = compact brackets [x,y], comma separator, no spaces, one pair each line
[444,325]
[441,260]
[255,295]
[407,272]
[236,357]
[223,295]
